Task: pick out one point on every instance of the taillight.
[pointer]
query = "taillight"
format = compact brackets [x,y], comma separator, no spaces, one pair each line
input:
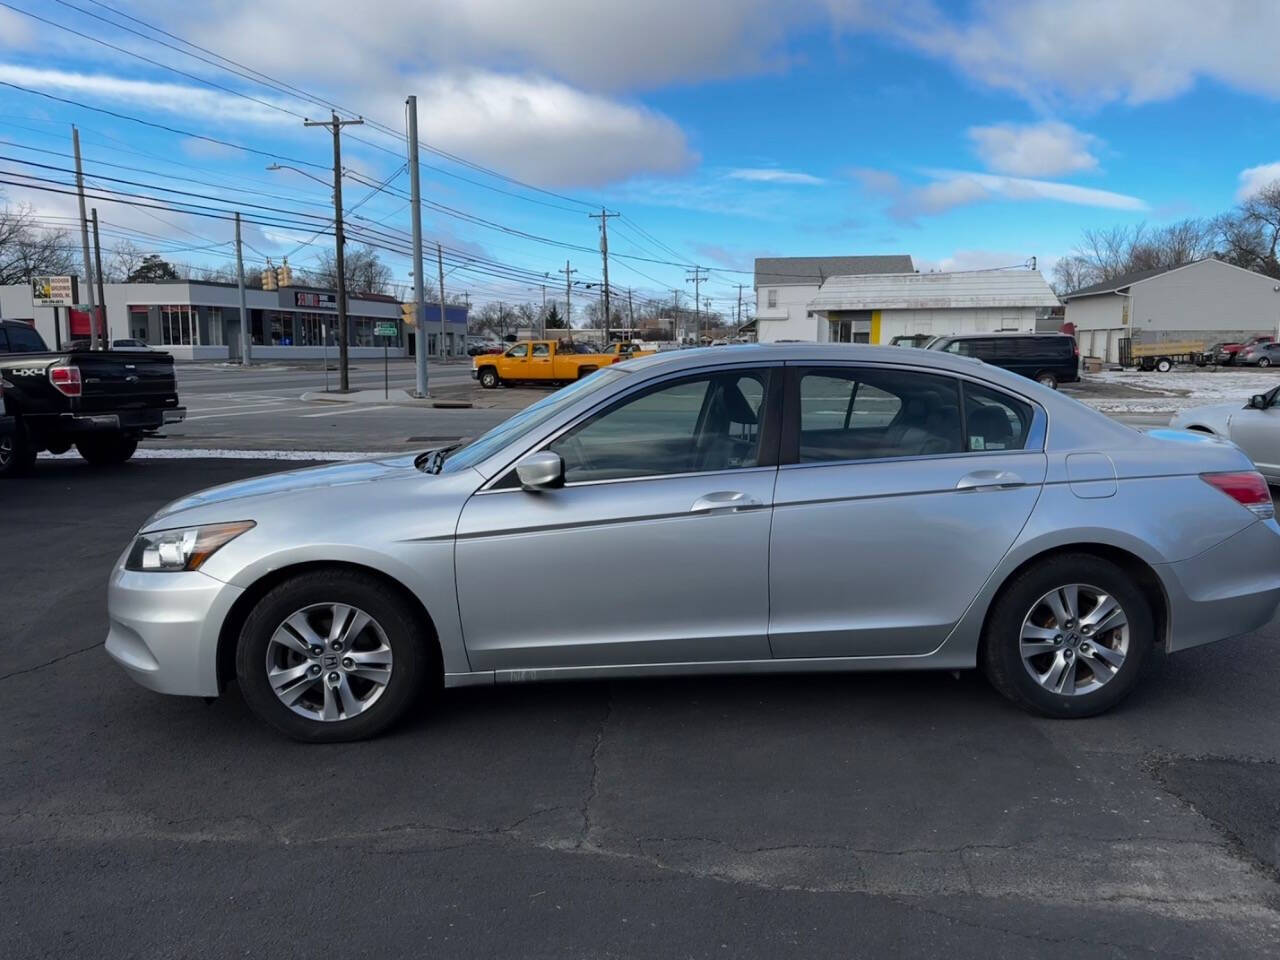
[1246,488]
[66,380]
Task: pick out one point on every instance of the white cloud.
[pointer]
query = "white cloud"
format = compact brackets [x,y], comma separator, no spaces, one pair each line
[1253,179]
[169,97]
[773,175]
[1095,51]
[1045,149]
[546,131]
[949,189]
[534,128]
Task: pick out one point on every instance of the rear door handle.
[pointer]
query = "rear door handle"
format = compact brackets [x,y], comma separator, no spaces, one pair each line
[724,501]
[989,480]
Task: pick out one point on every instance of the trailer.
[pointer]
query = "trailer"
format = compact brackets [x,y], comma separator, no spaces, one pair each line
[1161,357]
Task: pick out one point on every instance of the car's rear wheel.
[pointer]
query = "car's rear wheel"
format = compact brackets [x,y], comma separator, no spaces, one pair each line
[107,449]
[1047,379]
[1068,637]
[17,455]
[332,656]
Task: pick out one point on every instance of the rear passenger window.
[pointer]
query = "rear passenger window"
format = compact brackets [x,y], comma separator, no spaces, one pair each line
[24,339]
[994,420]
[873,414]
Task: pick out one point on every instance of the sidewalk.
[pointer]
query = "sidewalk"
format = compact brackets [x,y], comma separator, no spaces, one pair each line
[462,395]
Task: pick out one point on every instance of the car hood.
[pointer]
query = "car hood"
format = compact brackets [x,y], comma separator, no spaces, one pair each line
[275,485]
[1215,413]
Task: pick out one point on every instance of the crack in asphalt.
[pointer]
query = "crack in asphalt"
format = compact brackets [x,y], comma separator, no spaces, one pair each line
[49,663]
[593,785]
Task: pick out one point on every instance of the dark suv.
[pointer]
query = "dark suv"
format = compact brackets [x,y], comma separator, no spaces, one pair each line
[1051,358]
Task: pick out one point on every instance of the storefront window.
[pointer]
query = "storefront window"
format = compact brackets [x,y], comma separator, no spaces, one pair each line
[281,329]
[215,326]
[309,326]
[178,326]
[362,332]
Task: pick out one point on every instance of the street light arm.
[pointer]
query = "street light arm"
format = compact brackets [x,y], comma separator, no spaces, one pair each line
[285,166]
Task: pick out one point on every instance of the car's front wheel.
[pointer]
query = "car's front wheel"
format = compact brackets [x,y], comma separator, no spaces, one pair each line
[1068,637]
[1264,362]
[489,378]
[331,656]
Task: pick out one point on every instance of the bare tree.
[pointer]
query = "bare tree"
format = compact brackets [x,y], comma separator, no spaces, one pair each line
[1104,254]
[1260,213]
[122,259]
[28,250]
[366,273]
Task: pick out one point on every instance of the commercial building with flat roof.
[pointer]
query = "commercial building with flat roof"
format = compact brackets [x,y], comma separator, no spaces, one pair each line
[200,320]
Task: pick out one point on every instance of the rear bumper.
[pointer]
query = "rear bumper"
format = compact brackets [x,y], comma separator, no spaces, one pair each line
[1228,590]
[131,421]
[164,627]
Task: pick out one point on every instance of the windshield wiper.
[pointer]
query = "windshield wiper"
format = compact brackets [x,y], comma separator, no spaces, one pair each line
[433,460]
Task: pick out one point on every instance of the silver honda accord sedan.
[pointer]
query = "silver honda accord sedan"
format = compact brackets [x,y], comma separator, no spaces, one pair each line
[788,508]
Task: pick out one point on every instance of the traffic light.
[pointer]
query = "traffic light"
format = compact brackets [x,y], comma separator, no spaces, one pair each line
[409,314]
[269,278]
[284,274]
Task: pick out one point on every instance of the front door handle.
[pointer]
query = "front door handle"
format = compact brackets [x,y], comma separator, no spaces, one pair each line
[989,480]
[724,500]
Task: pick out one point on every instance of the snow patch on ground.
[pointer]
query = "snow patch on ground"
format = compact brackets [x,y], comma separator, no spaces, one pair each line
[1174,391]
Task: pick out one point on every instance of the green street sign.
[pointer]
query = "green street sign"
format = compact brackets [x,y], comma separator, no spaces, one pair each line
[385,330]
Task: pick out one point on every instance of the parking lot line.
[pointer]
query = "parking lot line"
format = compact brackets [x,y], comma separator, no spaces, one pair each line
[242,413]
[355,408]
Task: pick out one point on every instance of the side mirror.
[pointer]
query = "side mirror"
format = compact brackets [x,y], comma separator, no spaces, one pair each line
[1258,401]
[543,470]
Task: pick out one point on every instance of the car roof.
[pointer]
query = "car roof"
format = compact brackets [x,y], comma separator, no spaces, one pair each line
[1003,333]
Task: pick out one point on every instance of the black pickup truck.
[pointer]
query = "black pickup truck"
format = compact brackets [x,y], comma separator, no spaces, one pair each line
[99,401]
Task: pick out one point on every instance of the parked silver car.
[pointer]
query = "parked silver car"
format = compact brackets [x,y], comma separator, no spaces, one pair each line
[1254,427]
[785,508]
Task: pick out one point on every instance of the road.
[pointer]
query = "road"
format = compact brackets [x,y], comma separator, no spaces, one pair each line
[260,408]
[869,816]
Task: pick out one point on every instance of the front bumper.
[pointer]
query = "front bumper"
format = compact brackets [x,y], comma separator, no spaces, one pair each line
[1228,590]
[475,374]
[164,628]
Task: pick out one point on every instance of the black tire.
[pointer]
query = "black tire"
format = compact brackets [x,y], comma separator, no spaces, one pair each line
[17,455]
[489,378]
[1000,655]
[108,449]
[414,670]
[1264,362]
[1164,365]
[1048,379]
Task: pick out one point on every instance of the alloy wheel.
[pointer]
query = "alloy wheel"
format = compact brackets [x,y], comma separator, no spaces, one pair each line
[6,452]
[1074,639]
[329,661]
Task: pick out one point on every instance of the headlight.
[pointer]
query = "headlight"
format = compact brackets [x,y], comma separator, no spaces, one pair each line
[183,548]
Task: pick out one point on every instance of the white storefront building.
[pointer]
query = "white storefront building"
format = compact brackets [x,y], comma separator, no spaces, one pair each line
[1202,302]
[785,286]
[876,308]
[197,320]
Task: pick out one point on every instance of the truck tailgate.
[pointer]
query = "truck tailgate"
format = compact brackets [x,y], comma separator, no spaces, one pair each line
[125,380]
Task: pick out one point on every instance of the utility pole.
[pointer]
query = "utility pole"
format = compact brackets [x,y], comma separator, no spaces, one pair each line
[84,238]
[738,325]
[603,216]
[697,275]
[568,285]
[631,316]
[339,238]
[102,293]
[245,360]
[440,268]
[675,315]
[419,294]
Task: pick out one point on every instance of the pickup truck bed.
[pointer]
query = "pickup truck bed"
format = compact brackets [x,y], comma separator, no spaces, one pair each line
[101,402]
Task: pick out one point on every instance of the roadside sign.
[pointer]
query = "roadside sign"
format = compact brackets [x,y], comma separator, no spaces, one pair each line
[385,329]
[55,291]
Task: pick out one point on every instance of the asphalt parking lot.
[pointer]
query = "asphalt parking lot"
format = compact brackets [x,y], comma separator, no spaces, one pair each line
[861,816]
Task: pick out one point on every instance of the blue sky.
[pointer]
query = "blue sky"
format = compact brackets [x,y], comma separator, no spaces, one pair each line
[967,135]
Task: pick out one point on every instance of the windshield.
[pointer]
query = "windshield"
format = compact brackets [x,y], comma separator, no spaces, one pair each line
[529,419]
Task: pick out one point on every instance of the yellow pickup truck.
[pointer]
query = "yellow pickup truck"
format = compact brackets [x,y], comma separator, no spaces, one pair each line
[625,351]
[541,361]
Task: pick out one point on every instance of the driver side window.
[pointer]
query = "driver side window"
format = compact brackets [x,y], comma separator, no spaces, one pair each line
[705,423]
[518,351]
